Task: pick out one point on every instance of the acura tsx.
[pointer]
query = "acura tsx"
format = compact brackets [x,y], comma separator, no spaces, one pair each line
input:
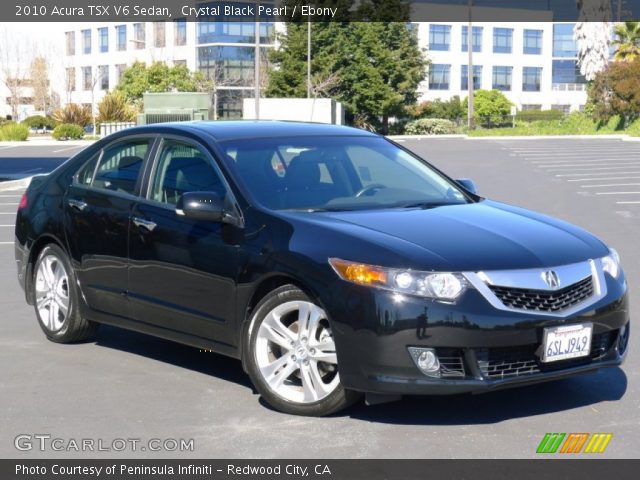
[331,261]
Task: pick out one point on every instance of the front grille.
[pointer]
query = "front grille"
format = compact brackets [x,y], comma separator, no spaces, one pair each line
[508,361]
[502,362]
[544,300]
[451,362]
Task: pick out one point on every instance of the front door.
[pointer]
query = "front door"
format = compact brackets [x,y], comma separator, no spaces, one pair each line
[182,271]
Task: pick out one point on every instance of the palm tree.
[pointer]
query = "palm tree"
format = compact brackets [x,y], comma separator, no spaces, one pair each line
[628,41]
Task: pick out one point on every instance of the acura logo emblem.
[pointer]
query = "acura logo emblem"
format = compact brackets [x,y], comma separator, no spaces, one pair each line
[551,278]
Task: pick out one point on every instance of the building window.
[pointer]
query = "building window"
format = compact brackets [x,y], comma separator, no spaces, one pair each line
[159,37]
[103,38]
[567,72]
[531,77]
[86,41]
[103,77]
[477,77]
[439,37]
[532,42]
[180,32]
[120,68]
[139,37]
[502,40]
[502,78]
[227,65]
[439,76]
[476,39]
[561,107]
[86,78]
[563,43]
[121,38]
[531,106]
[71,43]
[71,79]
[235,32]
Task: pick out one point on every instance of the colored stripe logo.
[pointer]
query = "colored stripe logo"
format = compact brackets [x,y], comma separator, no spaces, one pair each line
[574,443]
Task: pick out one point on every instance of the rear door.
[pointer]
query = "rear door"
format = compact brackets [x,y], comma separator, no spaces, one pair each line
[97,210]
[183,271]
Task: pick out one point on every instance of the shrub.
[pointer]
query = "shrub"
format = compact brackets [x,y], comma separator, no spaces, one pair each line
[451,109]
[114,108]
[39,122]
[534,115]
[634,128]
[74,114]
[490,107]
[67,131]
[430,126]
[616,91]
[14,132]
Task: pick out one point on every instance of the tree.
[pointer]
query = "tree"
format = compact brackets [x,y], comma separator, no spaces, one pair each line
[139,79]
[490,107]
[375,67]
[593,40]
[40,84]
[14,69]
[616,91]
[627,41]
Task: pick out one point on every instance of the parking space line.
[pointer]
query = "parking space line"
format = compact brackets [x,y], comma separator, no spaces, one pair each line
[598,169]
[627,203]
[9,204]
[593,179]
[610,185]
[6,243]
[594,174]
[8,225]
[617,193]
[68,148]
[562,162]
[582,165]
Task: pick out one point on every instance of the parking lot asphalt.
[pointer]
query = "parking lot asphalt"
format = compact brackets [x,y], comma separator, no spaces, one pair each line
[126,385]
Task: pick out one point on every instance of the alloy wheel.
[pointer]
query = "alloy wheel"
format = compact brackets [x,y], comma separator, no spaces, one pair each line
[52,292]
[296,354]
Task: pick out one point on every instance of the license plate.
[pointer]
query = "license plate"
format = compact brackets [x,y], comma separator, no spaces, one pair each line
[567,341]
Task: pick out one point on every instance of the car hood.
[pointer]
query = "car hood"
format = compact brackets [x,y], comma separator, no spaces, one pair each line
[481,236]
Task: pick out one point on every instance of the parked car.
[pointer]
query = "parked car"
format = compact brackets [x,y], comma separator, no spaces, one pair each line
[331,261]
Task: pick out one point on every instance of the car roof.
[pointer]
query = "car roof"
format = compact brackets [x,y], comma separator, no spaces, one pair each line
[245,129]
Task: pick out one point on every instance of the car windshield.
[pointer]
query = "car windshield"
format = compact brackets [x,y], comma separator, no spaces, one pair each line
[337,173]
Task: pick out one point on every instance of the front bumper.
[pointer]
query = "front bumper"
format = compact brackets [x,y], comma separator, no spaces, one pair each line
[481,348]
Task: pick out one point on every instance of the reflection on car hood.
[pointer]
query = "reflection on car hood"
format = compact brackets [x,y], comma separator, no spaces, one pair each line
[481,236]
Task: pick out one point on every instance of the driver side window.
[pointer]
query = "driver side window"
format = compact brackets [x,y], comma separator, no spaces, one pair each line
[184,168]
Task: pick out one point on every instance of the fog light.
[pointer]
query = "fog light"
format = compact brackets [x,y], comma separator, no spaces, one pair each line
[426,360]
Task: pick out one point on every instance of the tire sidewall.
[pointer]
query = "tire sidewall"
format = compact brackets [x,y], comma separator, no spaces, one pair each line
[55,250]
[335,401]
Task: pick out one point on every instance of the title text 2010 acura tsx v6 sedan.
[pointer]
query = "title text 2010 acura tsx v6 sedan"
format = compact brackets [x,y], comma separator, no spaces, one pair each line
[330,260]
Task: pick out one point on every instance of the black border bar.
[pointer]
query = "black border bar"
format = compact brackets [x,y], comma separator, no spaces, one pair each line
[322,469]
[322,10]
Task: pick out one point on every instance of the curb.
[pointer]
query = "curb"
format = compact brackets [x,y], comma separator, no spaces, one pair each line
[421,137]
[15,184]
[623,137]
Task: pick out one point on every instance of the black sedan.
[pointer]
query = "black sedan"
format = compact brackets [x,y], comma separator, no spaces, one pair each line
[330,261]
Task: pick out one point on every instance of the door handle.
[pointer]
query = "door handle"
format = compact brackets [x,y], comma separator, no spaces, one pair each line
[77,204]
[142,223]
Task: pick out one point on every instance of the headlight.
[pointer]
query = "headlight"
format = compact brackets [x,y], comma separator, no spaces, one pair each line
[611,263]
[442,286]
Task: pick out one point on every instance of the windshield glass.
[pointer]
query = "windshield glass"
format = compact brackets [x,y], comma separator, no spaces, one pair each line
[337,173]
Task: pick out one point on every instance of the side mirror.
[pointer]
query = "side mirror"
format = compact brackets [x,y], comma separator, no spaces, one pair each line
[206,206]
[468,184]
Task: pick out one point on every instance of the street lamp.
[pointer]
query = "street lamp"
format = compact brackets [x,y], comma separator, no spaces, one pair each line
[470,85]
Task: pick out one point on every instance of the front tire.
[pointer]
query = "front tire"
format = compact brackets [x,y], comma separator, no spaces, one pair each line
[55,297]
[291,355]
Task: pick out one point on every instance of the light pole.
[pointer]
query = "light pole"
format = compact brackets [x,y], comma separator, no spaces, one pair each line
[256,70]
[470,85]
[308,59]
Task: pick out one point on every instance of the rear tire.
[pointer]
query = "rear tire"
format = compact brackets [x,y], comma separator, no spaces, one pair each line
[55,297]
[291,356]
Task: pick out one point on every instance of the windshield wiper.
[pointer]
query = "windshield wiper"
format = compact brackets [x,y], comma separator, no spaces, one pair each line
[426,205]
